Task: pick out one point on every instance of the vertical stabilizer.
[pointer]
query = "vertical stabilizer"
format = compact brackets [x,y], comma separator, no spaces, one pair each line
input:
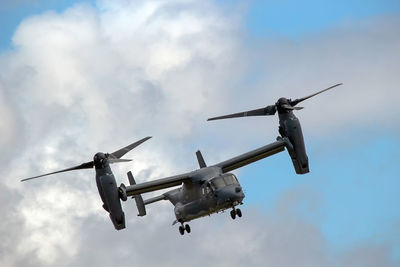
[138,198]
[200,159]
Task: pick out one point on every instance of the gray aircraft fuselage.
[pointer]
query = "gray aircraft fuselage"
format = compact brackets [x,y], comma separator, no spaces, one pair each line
[209,191]
[204,191]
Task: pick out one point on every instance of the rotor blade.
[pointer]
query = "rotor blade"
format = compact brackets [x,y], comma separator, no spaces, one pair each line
[112,160]
[268,110]
[296,101]
[87,165]
[119,153]
[289,107]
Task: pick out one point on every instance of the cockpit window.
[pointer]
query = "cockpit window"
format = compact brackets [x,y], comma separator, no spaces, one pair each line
[218,182]
[230,179]
[206,189]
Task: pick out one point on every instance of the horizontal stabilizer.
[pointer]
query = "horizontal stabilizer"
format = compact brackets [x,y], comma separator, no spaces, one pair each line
[154,199]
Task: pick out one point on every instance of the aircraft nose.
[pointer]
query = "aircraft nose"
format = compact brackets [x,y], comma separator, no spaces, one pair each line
[233,194]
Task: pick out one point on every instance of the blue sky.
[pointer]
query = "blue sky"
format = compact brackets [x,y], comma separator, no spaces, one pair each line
[354,175]
[292,19]
[12,13]
[360,189]
[285,18]
[298,18]
[357,184]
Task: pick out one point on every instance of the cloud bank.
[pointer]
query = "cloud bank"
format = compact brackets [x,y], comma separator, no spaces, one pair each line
[96,78]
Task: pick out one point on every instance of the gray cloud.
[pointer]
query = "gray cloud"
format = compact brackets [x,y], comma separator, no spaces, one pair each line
[91,80]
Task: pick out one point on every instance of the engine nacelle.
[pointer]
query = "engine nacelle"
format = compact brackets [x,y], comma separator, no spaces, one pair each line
[110,195]
[299,160]
[290,130]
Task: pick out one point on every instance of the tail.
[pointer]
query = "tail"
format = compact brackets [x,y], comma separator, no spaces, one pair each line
[200,159]
[138,198]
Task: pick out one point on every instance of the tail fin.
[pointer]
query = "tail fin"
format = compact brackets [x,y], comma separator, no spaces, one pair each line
[200,159]
[138,198]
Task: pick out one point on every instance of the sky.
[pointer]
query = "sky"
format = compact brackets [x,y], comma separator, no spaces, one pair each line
[78,77]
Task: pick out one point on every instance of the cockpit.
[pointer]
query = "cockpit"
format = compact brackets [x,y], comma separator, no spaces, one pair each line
[225,188]
[230,179]
[223,180]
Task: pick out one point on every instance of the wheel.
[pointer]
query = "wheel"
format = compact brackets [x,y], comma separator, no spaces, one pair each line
[181,230]
[239,212]
[233,214]
[187,228]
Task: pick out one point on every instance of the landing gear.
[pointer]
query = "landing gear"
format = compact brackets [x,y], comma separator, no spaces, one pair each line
[235,212]
[184,228]
[239,213]
[181,230]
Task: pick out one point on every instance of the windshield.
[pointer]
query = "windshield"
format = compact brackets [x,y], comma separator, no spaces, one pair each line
[218,182]
[230,179]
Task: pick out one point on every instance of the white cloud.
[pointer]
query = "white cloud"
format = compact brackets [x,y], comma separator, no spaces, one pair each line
[7,125]
[85,79]
[94,79]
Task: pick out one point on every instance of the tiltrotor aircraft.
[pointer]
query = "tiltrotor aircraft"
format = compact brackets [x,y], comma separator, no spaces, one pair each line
[209,189]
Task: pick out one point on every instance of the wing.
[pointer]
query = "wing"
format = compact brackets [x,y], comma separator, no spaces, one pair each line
[226,166]
[252,156]
[157,184]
